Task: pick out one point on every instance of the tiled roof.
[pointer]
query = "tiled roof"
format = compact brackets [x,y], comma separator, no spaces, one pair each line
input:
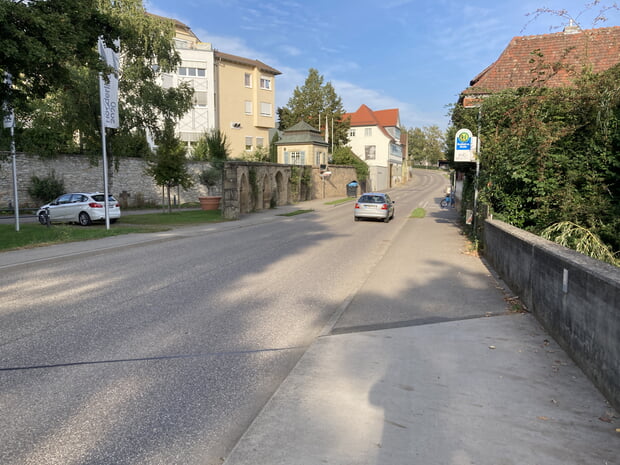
[364,116]
[302,133]
[550,60]
[246,61]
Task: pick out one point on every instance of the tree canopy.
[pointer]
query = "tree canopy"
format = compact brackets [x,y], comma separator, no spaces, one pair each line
[553,155]
[318,105]
[41,39]
[57,105]
[427,145]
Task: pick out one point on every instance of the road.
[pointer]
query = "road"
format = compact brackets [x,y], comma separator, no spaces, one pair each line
[164,352]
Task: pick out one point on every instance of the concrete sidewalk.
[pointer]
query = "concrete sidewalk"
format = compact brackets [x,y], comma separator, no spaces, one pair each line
[443,374]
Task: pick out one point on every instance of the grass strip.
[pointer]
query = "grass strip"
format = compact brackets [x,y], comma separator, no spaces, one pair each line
[418,213]
[35,235]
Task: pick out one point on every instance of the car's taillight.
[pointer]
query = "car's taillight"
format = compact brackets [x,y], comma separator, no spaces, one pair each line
[384,206]
[357,205]
[95,205]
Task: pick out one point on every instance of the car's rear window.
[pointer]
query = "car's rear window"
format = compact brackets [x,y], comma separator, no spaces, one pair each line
[372,199]
[100,197]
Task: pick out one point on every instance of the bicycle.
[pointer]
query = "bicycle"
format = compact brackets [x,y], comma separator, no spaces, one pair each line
[447,201]
[44,217]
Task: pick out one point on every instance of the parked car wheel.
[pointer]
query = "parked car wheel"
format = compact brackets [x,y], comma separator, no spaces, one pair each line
[42,218]
[84,219]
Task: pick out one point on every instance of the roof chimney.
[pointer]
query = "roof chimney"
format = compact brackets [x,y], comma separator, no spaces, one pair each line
[572,28]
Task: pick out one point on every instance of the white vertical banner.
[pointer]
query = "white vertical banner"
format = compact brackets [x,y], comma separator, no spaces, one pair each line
[326,128]
[9,122]
[108,93]
[109,90]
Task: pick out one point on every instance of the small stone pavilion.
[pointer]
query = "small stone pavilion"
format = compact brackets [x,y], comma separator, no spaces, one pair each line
[302,144]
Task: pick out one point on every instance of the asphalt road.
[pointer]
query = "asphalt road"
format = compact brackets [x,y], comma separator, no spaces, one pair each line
[164,352]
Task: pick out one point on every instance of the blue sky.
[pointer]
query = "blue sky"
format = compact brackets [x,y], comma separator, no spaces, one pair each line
[415,55]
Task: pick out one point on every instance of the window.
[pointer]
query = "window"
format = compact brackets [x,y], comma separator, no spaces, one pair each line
[371,152]
[248,80]
[368,132]
[248,143]
[193,72]
[248,107]
[200,99]
[265,83]
[352,132]
[317,158]
[260,141]
[296,158]
[265,109]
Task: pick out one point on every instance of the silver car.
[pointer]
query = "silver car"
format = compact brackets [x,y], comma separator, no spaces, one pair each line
[374,205]
[80,207]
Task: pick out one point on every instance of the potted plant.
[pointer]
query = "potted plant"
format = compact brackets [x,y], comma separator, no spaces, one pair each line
[213,147]
[210,178]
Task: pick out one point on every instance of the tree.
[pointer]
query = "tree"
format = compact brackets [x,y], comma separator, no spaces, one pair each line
[426,145]
[49,124]
[318,105]
[41,39]
[550,156]
[168,166]
[215,149]
[344,156]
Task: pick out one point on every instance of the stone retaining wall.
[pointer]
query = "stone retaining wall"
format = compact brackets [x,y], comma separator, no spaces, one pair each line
[576,298]
[129,183]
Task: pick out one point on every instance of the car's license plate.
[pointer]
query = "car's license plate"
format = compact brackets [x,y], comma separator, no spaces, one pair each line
[370,206]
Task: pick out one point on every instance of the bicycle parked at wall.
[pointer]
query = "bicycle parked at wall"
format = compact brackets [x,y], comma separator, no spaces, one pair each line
[448,201]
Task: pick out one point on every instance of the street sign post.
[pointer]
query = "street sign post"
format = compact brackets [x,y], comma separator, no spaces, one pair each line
[464,146]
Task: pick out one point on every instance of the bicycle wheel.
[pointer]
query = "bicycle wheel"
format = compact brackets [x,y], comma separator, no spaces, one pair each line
[443,203]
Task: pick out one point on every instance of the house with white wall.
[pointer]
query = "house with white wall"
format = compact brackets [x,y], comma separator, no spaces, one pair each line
[233,94]
[375,137]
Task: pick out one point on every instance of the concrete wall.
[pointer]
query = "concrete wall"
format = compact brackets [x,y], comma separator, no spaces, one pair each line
[576,298]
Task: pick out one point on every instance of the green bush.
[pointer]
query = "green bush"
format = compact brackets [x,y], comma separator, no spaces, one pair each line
[44,190]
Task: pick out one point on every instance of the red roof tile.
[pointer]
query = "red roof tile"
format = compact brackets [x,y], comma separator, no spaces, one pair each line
[551,60]
[364,116]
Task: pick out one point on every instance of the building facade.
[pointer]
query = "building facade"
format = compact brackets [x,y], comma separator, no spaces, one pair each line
[302,144]
[233,94]
[375,137]
[245,102]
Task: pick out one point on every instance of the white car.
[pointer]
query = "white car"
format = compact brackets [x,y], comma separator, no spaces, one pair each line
[80,207]
[374,205]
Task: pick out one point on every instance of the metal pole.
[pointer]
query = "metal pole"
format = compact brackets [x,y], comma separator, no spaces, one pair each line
[477,173]
[105,158]
[15,194]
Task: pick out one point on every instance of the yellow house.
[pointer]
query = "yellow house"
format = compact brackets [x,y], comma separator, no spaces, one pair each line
[231,93]
[244,101]
[302,145]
